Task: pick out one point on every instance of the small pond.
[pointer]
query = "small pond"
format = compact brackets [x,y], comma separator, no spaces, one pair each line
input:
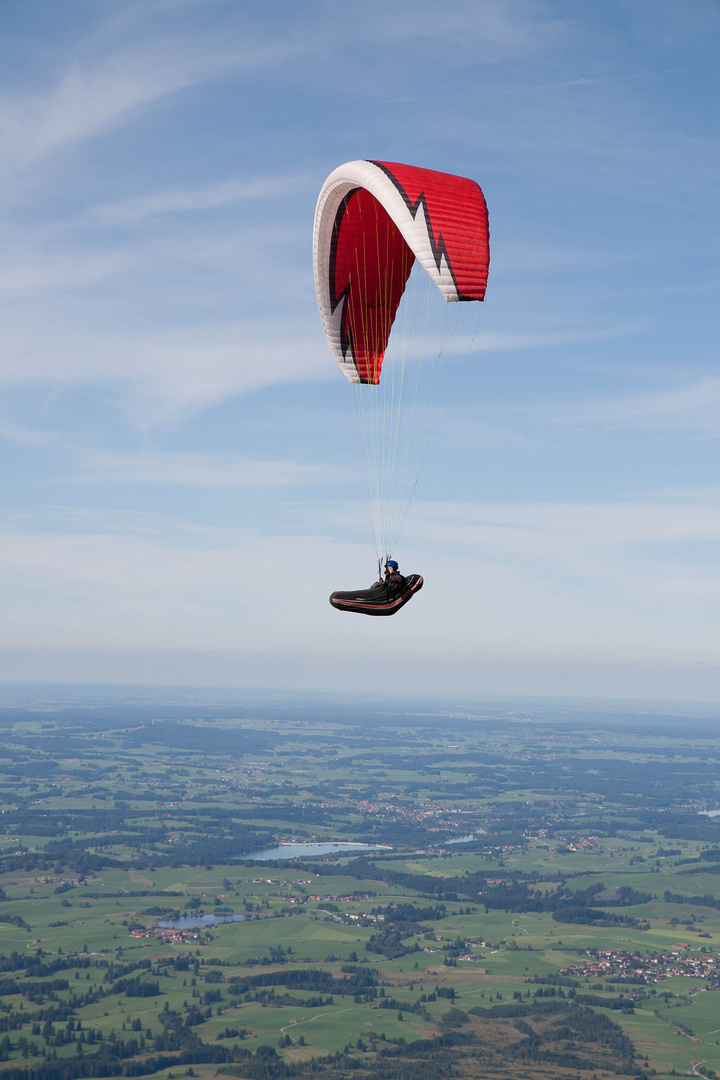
[186,922]
[302,851]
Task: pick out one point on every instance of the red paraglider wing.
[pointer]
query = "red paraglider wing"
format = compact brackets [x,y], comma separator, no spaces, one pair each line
[454,216]
[369,267]
[373,219]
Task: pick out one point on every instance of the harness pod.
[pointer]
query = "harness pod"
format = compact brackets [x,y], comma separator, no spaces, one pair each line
[375,601]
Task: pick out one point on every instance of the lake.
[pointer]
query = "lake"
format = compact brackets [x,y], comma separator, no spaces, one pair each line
[300,851]
[185,922]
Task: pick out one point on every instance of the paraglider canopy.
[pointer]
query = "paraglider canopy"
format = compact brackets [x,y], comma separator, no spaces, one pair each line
[373,220]
[390,242]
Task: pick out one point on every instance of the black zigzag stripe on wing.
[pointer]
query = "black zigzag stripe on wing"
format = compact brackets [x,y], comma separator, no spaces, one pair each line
[336,298]
[438,246]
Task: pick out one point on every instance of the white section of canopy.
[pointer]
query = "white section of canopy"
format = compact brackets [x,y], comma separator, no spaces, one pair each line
[347,177]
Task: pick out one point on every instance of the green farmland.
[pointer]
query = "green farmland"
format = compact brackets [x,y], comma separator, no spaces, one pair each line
[537,895]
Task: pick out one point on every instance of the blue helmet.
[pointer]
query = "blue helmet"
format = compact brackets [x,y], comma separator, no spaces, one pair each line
[391,562]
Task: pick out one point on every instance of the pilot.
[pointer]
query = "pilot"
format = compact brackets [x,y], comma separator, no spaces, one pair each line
[393,578]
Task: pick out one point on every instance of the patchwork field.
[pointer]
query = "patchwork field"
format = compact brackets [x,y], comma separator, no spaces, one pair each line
[544,902]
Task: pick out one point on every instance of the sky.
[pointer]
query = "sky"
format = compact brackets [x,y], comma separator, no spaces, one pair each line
[179,494]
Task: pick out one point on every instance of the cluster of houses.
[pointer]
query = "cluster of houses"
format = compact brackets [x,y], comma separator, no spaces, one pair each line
[278,881]
[582,843]
[679,961]
[169,936]
[330,896]
[363,917]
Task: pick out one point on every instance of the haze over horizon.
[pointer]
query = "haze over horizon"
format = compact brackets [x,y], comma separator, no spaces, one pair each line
[179,493]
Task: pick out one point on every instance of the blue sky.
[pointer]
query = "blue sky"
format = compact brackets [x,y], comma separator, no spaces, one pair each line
[179,495]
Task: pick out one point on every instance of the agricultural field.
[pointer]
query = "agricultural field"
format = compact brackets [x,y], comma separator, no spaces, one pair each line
[525,892]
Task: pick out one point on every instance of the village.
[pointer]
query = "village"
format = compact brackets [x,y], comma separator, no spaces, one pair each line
[633,967]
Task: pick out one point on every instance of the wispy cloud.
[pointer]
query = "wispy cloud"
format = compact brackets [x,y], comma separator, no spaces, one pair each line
[565,84]
[692,408]
[515,257]
[90,100]
[33,272]
[27,436]
[464,344]
[203,470]
[555,528]
[165,587]
[184,200]
[503,341]
[161,379]
[495,30]
[171,380]
[63,256]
